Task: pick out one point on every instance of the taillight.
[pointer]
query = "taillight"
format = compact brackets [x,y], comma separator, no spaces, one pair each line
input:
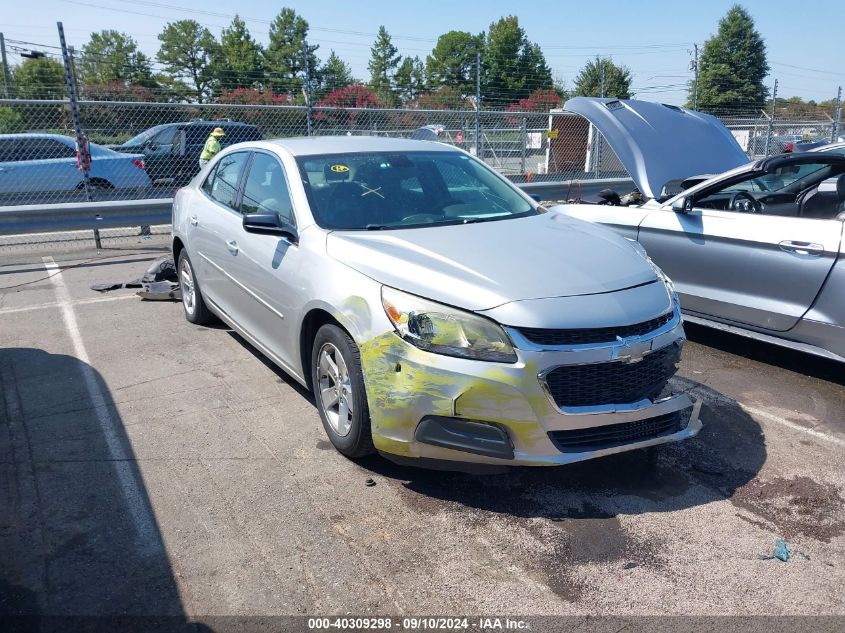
[138,162]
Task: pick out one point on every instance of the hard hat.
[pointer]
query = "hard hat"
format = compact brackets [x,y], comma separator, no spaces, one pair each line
[218,131]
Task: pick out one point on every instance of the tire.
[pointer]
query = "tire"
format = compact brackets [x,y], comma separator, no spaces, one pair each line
[338,385]
[192,302]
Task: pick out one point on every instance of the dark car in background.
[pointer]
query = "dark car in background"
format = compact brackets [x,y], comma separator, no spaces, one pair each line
[172,150]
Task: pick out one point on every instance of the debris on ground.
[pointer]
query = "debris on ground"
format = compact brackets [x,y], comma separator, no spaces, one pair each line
[782,550]
[370,482]
[159,283]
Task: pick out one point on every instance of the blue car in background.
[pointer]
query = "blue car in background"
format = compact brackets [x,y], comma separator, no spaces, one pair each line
[35,164]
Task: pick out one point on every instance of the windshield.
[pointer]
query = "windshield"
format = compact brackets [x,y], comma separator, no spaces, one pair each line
[144,136]
[384,190]
[781,179]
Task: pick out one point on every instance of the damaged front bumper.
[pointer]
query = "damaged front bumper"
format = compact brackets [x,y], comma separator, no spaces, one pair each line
[444,409]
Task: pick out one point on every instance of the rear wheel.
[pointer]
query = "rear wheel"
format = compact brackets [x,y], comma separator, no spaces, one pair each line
[338,386]
[195,309]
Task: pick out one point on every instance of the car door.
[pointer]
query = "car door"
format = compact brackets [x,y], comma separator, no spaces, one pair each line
[750,268]
[158,155]
[268,266]
[214,226]
[9,178]
[47,164]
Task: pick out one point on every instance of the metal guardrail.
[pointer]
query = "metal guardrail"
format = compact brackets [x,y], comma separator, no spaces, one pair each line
[570,189]
[77,216]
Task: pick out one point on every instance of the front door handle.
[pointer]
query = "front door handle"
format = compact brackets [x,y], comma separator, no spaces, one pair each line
[194,220]
[801,248]
[232,245]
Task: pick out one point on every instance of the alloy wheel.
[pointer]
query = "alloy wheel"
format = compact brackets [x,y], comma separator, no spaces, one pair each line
[335,389]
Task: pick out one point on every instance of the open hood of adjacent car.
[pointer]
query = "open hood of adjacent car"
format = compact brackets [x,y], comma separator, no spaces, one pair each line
[481,266]
[659,143]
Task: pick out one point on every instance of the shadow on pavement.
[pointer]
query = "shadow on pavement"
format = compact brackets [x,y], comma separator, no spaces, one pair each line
[767,353]
[78,536]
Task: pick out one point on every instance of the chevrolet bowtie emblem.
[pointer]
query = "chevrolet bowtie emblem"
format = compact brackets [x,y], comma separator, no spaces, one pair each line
[631,351]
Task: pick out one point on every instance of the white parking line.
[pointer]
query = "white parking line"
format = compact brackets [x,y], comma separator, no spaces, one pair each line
[132,489]
[45,306]
[771,417]
[714,396]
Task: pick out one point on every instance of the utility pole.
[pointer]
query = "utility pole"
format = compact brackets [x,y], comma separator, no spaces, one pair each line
[837,116]
[601,78]
[772,117]
[6,81]
[478,104]
[695,79]
[308,110]
[77,125]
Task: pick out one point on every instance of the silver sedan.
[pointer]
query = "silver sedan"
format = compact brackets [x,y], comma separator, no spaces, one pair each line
[436,312]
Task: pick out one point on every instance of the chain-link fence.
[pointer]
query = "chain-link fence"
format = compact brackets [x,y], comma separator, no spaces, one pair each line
[146,150]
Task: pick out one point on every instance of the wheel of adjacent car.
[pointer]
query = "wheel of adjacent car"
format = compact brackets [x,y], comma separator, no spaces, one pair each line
[195,309]
[339,393]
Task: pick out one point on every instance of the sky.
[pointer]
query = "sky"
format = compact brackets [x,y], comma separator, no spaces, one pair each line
[654,39]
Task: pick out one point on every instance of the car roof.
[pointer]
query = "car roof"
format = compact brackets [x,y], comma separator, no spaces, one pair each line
[313,145]
[36,135]
[216,123]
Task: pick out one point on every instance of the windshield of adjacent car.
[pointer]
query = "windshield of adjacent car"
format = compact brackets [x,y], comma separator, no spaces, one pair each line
[384,190]
[144,136]
[781,179]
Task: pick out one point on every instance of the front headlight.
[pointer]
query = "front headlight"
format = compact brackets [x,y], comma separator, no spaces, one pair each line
[437,328]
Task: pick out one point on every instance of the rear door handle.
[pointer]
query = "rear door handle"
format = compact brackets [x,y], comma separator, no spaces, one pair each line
[232,245]
[194,220]
[801,248]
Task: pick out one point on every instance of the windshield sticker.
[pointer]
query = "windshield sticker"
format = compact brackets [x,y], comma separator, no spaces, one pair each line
[339,169]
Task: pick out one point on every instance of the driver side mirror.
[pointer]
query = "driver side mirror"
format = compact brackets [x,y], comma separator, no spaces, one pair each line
[270,224]
[682,205]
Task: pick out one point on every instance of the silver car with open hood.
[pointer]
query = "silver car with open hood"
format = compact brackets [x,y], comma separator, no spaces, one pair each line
[437,313]
[756,250]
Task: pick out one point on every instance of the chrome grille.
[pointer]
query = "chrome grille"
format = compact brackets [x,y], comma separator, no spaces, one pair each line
[613,382]
[581,336]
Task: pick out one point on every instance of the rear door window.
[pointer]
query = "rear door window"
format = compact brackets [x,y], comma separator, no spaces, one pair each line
[45,149]
[224,189]
[8,150]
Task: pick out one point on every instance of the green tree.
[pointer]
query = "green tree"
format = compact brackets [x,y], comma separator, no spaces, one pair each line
[40,78]
[384,60]
[188,51]
[617,80]
[113,57]
[410,78]
[335,74]
[732,66]
[452,60]
[513,67]
[284,59]
[10,120]
[239,64]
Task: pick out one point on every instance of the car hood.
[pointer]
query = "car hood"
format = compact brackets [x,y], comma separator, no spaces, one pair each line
[485,265]
[658,143]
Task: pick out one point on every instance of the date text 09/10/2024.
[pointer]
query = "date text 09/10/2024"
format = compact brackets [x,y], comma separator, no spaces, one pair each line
[419,624]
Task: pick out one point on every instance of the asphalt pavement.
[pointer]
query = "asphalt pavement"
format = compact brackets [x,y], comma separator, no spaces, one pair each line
[150,466]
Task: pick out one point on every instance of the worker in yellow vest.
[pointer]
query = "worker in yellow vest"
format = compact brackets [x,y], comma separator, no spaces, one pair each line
[212,146]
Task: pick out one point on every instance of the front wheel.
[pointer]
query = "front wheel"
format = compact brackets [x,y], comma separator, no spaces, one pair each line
[338,386]
[195,309]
